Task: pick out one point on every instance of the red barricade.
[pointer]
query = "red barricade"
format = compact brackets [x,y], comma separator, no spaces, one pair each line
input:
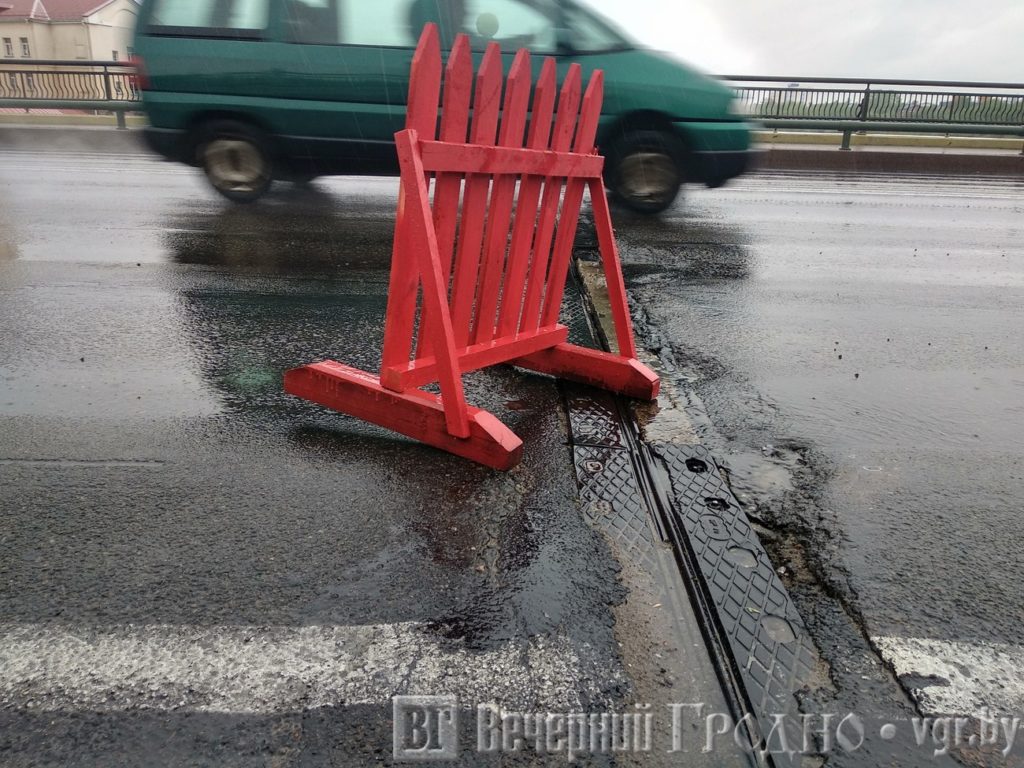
[487,216]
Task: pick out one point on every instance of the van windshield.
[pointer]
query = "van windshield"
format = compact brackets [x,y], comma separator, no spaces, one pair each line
[590,33]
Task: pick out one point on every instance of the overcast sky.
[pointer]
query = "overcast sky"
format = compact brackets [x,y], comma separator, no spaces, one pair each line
[925,39]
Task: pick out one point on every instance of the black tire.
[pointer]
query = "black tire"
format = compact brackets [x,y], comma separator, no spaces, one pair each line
[644,170]
[236,159]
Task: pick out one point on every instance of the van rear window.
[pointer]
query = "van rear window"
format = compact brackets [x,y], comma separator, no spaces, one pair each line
[233,19]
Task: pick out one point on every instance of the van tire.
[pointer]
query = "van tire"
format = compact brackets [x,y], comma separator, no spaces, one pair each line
[236,159]
[644,170]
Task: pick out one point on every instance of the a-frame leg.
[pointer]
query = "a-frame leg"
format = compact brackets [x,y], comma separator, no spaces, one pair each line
[416,414]
[416,218]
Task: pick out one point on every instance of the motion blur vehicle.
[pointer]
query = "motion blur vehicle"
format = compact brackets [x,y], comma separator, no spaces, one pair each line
[256,90]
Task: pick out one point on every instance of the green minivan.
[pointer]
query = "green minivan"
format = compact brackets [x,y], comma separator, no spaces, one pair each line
[257,90]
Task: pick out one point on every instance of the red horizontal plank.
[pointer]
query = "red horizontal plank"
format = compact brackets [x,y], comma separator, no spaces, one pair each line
[473,158]
[416,414]
[400,378]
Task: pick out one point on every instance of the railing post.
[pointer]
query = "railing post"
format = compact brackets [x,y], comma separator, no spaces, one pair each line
[846,140]
[863,116]
[106,84]
[865,106]
[122,124]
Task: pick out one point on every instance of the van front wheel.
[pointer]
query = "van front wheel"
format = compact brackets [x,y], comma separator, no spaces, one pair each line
[235,159]
[644,170]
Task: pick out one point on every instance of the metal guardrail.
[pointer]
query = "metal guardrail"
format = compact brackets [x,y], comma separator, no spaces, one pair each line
[55,84]
[916,106]
[800,103]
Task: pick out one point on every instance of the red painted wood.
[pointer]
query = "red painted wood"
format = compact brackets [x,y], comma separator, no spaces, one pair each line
[486,102]
[425,84]
[626,376]
[458,92]
[568,223]
[472,358]
[521,250]
[458,89]
[416,414]
[424,92]
[561,141]
[499,219]
[542,110]
[612,270]
[403,286]
[423,241]
[471,158]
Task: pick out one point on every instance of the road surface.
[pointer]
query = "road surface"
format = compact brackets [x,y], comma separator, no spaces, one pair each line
[852,348]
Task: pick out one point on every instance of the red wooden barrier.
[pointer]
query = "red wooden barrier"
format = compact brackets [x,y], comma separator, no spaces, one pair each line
[487,258]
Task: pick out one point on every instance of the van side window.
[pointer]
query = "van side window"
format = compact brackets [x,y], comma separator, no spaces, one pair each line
[313,22]
[382,23]
[513,23]
[246,19]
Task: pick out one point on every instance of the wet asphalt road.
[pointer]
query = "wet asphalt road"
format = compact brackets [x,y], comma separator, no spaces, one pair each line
[197,569]
[160,493]
[853,348]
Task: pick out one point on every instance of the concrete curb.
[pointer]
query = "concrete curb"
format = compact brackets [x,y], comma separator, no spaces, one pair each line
[78,139]
[888,161]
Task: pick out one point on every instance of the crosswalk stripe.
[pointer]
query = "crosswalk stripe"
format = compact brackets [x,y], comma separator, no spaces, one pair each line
[958,678]
[249,669]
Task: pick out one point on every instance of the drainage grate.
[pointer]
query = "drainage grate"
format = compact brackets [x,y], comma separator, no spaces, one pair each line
[757,621]
[613,502]
[766,635]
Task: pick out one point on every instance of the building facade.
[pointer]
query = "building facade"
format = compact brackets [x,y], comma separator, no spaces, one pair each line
[72,30]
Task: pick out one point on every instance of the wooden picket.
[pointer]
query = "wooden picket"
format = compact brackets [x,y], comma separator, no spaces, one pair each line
[485,257]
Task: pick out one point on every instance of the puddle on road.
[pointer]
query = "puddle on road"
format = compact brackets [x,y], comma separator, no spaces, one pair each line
[766,474]
[306,231]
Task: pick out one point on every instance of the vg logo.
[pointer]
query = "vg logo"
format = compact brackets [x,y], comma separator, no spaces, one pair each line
[426,728]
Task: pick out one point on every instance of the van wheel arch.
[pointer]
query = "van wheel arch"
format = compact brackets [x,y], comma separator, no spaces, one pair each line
[647,161]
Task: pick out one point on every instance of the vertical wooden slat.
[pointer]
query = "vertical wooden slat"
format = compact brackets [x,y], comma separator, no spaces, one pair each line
[418,221]
[586,135]
[458,89]
[561,141]
[513,129]
[486,103]
[424,93]
[526,208]
[425,85]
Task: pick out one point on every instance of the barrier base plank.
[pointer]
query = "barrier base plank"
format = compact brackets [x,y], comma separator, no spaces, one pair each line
[416,414]
[625,376]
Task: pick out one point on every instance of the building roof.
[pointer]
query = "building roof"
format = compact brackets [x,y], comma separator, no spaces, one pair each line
[50,10]
[20,9]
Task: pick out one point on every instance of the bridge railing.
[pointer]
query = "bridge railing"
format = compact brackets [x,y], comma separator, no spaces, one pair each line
[809,103]
[56,84]
[851,104]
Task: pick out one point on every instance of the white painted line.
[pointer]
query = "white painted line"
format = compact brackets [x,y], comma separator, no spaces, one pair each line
[969,677]
[247,670]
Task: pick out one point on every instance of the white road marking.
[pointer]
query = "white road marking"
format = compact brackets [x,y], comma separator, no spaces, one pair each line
[977,675]
[241,669]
